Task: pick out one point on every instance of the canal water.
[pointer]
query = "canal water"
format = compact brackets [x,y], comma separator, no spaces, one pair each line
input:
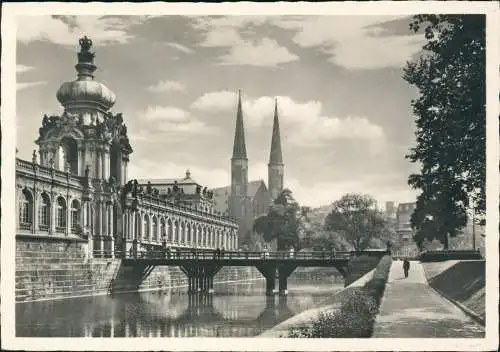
[237,309]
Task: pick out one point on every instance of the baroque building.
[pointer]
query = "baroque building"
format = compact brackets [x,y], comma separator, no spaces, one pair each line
[77,186]
[245,200]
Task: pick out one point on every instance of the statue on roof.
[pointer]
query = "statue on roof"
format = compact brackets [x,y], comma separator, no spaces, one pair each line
[85,44]
[33,158]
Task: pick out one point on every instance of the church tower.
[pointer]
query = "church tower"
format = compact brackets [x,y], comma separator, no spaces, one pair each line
[275,166]
[239,204]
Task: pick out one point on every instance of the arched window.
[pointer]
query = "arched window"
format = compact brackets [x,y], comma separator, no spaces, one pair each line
[61,215]
[170,236]
[176,235]
[61,158]
[44,212]
[69,155]
[182,234]
[188,240]
[26,210]
[75,215]
[162,229]
[138,226]
[155,229]
[146,227]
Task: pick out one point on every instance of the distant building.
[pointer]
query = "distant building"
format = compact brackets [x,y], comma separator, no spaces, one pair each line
[403,222]
[244,200]
[389,209]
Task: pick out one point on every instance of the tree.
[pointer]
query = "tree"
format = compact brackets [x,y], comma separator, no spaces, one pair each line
[357,219]
[450,124]
[283,222]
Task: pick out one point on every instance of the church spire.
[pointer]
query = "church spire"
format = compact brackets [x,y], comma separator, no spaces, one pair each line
[239,147]
[275,167]
[276,156]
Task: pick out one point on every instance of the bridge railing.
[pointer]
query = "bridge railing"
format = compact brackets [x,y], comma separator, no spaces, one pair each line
[242,255]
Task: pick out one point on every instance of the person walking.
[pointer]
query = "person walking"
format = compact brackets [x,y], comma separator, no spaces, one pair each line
[406,267]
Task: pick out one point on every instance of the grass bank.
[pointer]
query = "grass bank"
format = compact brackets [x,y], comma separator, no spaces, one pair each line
[460,281]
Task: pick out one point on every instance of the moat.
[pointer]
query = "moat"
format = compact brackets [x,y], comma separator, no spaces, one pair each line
[238,309]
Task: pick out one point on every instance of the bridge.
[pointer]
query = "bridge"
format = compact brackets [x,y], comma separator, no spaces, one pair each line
[200,267]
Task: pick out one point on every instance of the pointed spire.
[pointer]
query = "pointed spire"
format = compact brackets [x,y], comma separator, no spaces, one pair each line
[239,147]
[276,156]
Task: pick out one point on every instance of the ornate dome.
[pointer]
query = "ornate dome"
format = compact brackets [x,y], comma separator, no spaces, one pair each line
[84,92]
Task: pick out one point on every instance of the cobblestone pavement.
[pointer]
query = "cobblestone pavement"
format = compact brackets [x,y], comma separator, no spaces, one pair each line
[410,308]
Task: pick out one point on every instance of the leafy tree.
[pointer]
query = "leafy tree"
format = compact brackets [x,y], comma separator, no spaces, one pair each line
[283,222]
[357,219]
[450,124]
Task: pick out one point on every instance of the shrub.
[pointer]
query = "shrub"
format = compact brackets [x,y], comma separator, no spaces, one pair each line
[376,286]
[353,319]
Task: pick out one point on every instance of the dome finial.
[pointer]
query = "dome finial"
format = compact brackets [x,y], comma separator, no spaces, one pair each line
[85,66]
[188,174]
[85,44]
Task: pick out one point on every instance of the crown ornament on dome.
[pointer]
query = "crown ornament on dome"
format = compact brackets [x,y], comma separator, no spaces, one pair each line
[85,93]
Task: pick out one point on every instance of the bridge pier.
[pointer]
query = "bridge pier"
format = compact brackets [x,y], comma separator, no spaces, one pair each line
[269,272]
[284,271]
[200,278]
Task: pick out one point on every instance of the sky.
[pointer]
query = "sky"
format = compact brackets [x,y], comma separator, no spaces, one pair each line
[345,115]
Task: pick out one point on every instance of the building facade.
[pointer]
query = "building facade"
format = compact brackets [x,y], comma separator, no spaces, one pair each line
[246,200]
[403,222]
[77,185]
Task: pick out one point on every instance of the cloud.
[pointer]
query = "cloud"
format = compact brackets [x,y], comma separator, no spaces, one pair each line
[157,121]
[180,47]
[226,32]
[266,53]
[167,86]
[165,113]
[216,101]
[303,123]
[353,42]
[23,68]
[66,30]
[26,85]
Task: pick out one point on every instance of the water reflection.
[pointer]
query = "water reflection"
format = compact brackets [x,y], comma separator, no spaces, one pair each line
[164,314]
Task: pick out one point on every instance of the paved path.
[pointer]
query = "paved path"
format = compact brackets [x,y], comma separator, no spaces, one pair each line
[410,308]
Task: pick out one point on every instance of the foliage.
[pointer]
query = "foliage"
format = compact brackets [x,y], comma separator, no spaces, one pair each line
[284,222]
[353,319]
[451,125]
[376,286]
[356,218]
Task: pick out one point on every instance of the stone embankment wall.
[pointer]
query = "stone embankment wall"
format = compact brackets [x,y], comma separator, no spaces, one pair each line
[54,268]
[461,281]
[359,267]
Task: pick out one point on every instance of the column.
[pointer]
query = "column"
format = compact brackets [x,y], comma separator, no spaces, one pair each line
[81,161]
[34,219]
[195,235]
[111,222]
[53,210]
[68,216]
[125,224]
[103,165]
[150,225]
[101,228]
[133,226]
